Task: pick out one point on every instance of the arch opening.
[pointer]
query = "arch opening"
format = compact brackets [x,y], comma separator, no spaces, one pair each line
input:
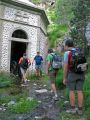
[17,49]
[19,34]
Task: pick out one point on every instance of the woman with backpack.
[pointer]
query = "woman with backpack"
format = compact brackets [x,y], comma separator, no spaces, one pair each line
[24,63]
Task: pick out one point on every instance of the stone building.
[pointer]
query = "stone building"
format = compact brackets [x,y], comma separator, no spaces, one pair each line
[22,29]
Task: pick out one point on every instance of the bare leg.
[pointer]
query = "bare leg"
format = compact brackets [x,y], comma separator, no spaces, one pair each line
[80,99]
[53,88]
[72,98]
[36,72]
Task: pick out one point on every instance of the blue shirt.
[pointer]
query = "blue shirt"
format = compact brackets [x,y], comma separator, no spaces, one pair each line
[66,55]
[38,59]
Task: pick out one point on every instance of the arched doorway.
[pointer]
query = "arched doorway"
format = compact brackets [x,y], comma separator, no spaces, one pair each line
[18,47]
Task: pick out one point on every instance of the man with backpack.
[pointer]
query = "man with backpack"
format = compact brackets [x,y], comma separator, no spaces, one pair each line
[24,63]
[38,64]
[53,65]
[74,74]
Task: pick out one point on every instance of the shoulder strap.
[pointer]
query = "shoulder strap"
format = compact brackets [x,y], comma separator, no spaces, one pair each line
[69,57]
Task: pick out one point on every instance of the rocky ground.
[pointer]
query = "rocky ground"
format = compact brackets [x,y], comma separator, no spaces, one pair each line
[48,108]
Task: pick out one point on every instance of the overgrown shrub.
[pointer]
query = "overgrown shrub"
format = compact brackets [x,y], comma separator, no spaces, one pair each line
[7,79]
[59,79]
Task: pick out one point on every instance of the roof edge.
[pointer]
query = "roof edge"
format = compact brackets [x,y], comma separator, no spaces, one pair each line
[29,7]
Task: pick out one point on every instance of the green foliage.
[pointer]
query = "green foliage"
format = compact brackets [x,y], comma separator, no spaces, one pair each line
[87,90]
[6,79]
[55,32]
[59,79]
[81,11]
[22,106]
[51,15]
[36,1]
[63,10]
[4,99]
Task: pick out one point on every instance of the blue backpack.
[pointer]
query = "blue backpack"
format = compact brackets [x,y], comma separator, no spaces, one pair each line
[57,61]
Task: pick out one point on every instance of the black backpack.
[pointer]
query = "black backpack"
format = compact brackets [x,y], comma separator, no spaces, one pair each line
[77,61]
[57,61]
[24,63]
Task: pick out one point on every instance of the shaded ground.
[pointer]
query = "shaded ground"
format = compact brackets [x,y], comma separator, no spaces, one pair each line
[48,109]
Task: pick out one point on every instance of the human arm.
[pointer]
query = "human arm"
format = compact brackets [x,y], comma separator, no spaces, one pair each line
[20,60]
[65,68]
[49,60]
[29,62]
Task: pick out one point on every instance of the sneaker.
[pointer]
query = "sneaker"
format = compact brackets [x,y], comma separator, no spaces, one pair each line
[24,84]
[79,112]
[72,111]
[55,98]
[27,80]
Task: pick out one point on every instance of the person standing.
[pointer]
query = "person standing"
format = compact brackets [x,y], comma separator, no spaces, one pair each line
[24,63]
[38,64]
[51,73]
[72,80]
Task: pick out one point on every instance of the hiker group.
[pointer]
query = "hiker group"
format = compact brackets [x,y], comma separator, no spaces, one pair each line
[74,65]
[24,63]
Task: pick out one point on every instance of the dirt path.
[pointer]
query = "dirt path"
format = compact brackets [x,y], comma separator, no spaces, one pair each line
[48,108]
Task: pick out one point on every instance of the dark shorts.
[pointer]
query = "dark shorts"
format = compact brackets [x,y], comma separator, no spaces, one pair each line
[52,75]
[75,81]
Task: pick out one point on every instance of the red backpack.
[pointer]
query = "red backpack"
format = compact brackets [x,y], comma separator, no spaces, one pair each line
[77,61]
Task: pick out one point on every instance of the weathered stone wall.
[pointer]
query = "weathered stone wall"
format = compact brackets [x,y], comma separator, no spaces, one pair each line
[14,19]
[42,46]
[9,28]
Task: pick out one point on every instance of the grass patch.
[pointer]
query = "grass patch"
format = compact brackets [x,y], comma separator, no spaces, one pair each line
[7,96]
[7,79]
[66,116]
[23,106]
[33,77]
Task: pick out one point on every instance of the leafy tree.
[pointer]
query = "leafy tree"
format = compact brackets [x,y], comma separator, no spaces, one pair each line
[78,23]
[63,11]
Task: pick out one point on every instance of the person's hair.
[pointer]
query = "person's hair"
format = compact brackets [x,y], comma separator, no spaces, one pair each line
[24,54]
[69,43]
[38,52]
[50,50]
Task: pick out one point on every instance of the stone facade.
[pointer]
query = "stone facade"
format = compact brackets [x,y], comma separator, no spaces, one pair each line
[31,22]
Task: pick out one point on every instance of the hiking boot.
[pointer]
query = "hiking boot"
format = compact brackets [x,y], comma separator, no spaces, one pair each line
[79,112]
[72,111]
